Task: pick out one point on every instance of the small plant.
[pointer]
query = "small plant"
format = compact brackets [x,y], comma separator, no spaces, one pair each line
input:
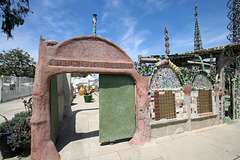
[19,128]
[89,91]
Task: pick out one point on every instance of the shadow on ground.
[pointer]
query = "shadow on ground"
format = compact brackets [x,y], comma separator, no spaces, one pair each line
[68,131]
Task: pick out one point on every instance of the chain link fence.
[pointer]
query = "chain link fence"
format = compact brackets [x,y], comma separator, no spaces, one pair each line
[15,87]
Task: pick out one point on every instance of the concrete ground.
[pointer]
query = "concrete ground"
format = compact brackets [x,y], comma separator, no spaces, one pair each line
[9,108]
[79,140]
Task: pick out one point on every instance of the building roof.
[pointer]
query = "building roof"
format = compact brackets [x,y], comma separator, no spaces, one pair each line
[204,53]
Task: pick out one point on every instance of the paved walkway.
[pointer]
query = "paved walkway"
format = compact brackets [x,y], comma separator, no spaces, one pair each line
[79,140]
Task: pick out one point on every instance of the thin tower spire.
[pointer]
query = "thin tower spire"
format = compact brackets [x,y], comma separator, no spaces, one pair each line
[197,35]
[234,25]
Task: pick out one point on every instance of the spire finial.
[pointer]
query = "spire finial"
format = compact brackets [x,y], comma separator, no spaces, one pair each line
[197,35]
[94,24]
[196,14]
[166,41]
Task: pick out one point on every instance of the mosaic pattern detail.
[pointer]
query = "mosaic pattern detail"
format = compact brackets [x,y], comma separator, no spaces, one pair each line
[151,106]
[204,101]
[212,68]
[171,105]
[237,106]
[201,81]
[144,70]
[181,109]
[165,77]
[214,104]
[194,111]
[237,97]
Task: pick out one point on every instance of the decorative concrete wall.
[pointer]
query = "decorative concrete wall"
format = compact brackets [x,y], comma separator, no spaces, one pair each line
[175,105]
[84,54]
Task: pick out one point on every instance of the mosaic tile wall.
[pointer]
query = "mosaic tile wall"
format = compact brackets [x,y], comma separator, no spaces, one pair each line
[165,77]
[238,104]
[171,104]
[201,81]
[194,112]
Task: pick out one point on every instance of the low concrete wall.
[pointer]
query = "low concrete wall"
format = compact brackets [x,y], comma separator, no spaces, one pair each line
[204,122]
[64,95]
[171,127]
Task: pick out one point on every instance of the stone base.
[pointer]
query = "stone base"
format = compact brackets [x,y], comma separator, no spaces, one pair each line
[171,127]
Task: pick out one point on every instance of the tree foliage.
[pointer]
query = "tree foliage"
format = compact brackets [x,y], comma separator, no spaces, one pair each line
[12,14]
[17,62]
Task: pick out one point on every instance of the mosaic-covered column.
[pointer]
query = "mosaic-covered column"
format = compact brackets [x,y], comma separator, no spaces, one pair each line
[187,99]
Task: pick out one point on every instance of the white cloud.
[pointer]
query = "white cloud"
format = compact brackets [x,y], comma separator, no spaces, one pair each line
[183,42]
[152,6]
[104,16]
[132,40]
[216,38]
[130,24]
[113,3]
[50,3]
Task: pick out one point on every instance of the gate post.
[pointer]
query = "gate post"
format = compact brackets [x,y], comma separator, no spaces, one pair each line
[143,128]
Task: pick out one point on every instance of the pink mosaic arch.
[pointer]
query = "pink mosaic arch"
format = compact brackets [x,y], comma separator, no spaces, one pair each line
[83,54]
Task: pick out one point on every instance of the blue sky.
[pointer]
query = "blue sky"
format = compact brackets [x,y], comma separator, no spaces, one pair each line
[137,26]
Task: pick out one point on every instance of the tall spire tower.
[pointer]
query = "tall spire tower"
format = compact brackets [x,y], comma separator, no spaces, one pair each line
[197,35]
[234,25]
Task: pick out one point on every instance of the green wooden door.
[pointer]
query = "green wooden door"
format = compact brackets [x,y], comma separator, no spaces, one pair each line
[117,107]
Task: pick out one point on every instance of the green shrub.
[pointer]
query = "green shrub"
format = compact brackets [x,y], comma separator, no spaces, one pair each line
[20,127]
